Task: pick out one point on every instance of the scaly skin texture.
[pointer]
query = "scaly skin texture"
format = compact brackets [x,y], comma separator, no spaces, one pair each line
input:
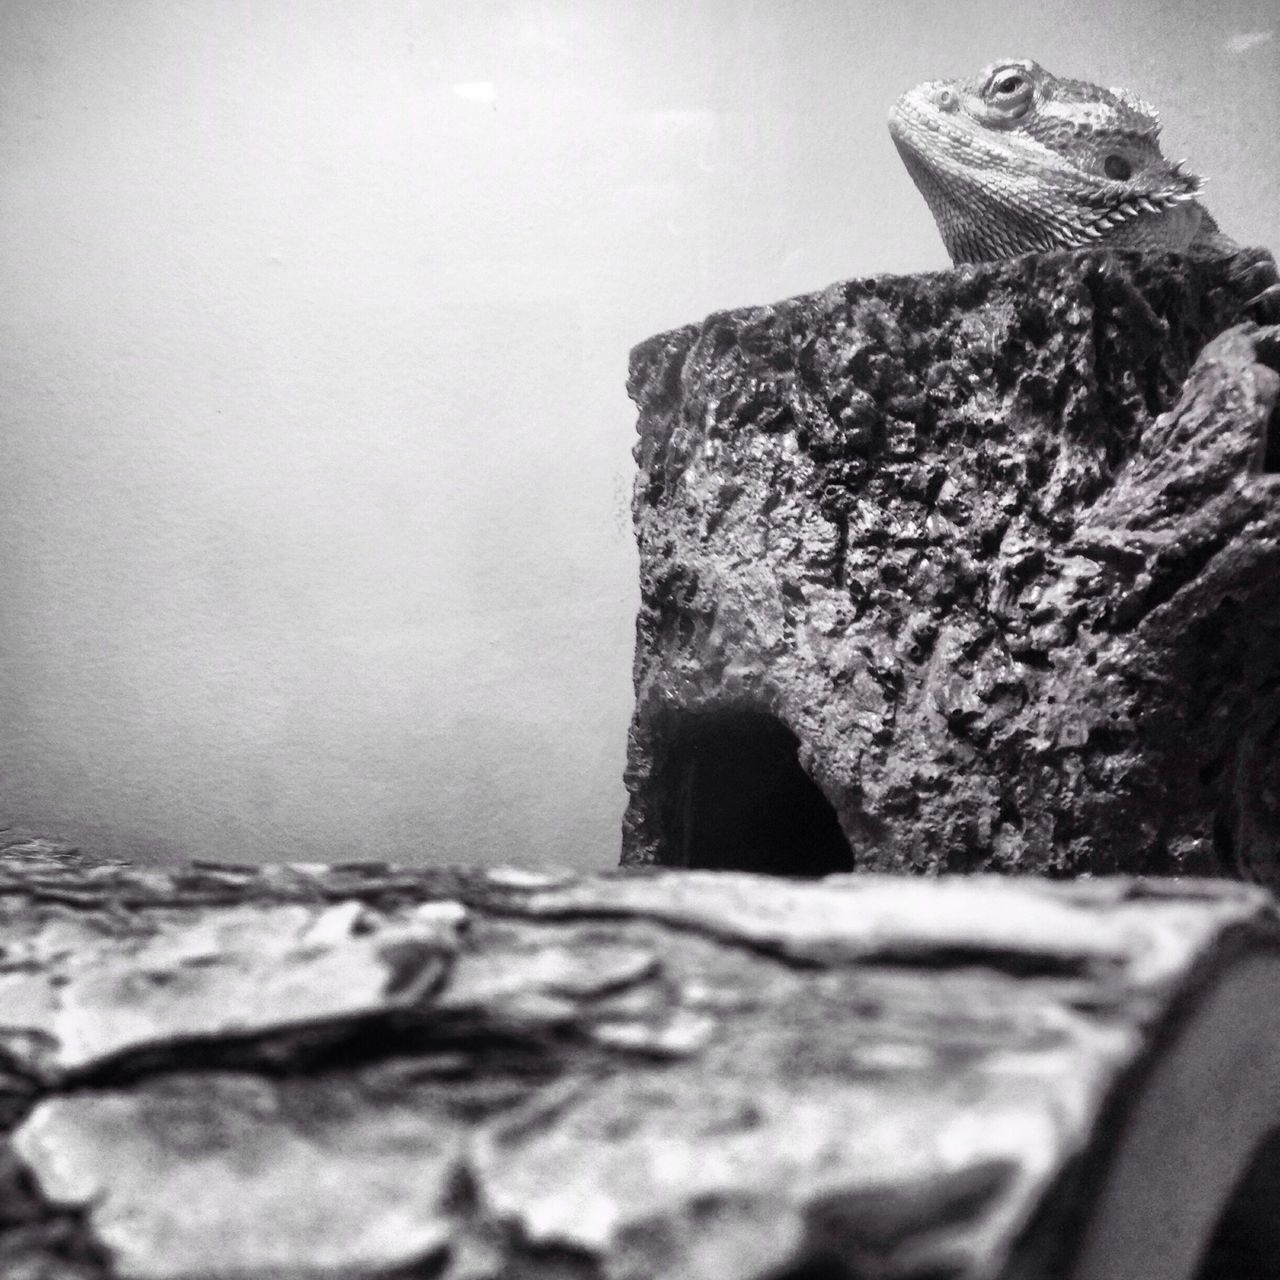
[1017,160]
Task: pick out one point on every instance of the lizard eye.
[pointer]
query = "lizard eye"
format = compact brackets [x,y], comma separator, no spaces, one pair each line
[1117,167]
[1009,91]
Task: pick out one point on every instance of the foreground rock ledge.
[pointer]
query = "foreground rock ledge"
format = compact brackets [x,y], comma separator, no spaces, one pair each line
[365,1071]
[972,570]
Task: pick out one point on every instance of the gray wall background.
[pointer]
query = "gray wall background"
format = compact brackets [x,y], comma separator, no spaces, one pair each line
[314,461]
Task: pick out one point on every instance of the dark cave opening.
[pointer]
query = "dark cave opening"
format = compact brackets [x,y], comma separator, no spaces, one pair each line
[735,798]
[1245,1244]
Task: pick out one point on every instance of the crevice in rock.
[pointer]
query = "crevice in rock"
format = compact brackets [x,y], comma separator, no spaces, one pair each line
[1267,350]
[1271,443]
[740,800]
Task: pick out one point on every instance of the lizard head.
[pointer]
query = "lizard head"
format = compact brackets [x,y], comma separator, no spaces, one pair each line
[1016,159]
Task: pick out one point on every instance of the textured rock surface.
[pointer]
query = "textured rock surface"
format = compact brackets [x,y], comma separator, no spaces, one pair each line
[680,1076]
[974,570]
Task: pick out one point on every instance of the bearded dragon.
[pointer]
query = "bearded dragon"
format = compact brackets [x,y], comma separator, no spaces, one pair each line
[1017,160]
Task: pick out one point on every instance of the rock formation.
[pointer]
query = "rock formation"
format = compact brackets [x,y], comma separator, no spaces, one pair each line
[367,1071]
[973,570]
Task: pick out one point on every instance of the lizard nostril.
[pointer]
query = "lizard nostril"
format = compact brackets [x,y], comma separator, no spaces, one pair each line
[947,100]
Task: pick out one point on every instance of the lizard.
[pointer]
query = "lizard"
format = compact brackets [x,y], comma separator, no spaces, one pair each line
[1017,160]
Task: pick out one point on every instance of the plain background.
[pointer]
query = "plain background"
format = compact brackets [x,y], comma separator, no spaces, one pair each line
[314,317]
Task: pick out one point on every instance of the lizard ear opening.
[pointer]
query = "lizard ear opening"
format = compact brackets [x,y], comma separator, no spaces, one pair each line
[1118,168]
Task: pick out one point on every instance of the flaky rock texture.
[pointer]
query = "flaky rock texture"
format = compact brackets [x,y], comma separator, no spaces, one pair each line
[973,570]
[674,1076]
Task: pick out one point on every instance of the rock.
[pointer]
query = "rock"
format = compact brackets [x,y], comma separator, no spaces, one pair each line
[625,1077]
[973,570]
